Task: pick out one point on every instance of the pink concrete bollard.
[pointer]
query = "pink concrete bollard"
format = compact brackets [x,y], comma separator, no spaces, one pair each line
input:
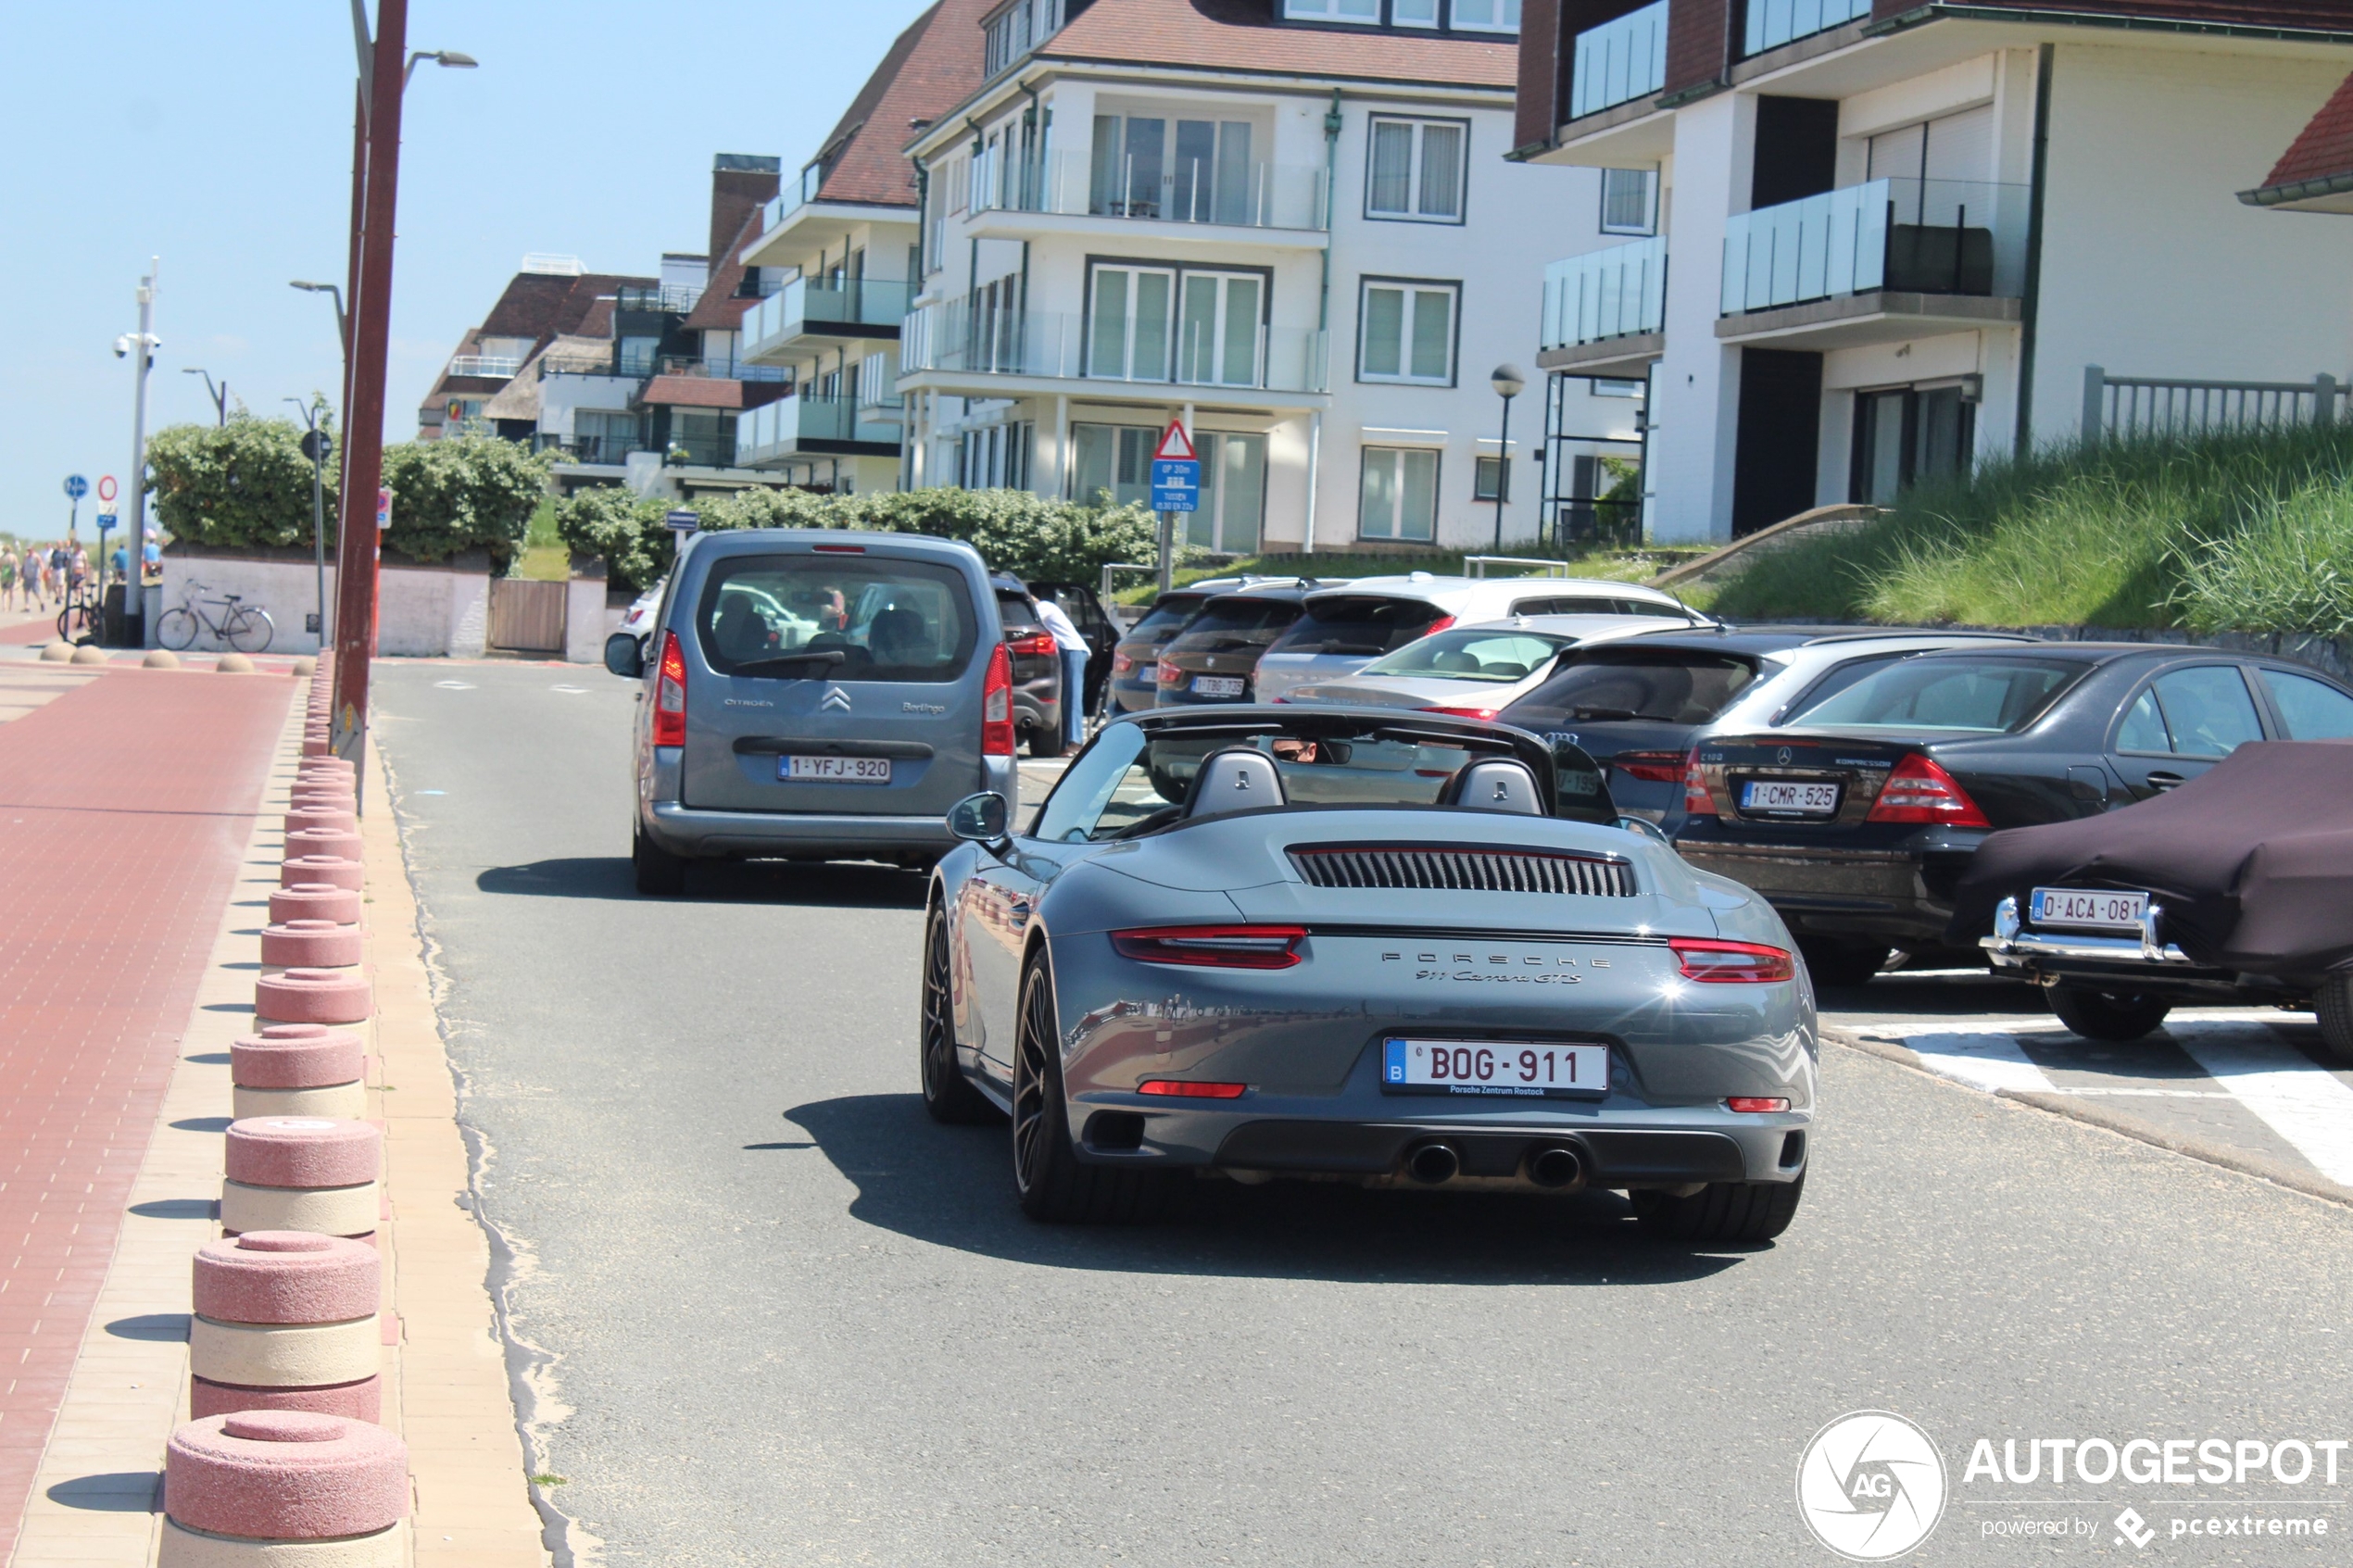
[299,870]
[287,1321]
[285,1489]
[315,901]
[310,814]
[321,792]
[309,944]
[301,1070]
[341,765]
[323,841]
[314,995]
[301,1173]
[315,746]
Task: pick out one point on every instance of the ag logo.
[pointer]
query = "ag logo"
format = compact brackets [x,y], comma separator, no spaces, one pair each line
[1871,1486]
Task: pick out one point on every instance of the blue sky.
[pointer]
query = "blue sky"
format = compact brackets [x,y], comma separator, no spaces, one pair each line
[217,136]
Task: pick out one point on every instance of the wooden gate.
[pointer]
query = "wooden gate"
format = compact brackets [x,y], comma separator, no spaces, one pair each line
[526,616]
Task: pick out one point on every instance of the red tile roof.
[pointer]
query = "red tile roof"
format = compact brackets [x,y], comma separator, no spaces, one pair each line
[719,309]
[693,392]
[1242,35]
[2324,148]
[930,68]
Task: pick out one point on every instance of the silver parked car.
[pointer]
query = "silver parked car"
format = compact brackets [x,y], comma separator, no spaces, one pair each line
[1473,672]
[814,694]
[1393,949]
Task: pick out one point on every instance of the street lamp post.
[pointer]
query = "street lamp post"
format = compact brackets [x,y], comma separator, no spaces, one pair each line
[144,342]
[1509,381]
[315,444]
[219,394]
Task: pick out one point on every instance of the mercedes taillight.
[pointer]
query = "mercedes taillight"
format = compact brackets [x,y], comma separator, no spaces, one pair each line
[997,705]
[1920,791]
[670,694]
[1697,799]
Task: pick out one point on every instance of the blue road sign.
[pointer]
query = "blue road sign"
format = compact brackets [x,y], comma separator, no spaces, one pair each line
[76,487]
[684,520]
[1176,485]
[107,521]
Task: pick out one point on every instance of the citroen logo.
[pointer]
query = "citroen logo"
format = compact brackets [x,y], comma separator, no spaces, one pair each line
[836,700]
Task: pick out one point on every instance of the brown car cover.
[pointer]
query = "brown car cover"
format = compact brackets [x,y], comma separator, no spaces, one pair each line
[2252,861]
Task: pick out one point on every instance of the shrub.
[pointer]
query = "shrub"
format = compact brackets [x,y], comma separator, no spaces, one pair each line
[461,493]
[245,484]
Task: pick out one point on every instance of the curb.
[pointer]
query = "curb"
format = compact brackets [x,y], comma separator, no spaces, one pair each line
[2277,1172]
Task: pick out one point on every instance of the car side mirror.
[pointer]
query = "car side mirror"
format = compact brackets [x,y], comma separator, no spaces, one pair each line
[1643,827]
[980,818]
[625,656]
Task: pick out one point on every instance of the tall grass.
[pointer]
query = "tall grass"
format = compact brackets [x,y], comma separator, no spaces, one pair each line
[2245,530]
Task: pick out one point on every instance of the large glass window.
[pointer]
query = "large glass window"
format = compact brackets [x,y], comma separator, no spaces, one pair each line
[1359,623]
[1417,170]
[1233,493]
[836,616]
[1128,322]
[1111,458]
[1218,334]
[1472,655]
[1400,494]
[1907,434]
[1991,694]
[2311,709]
[1630,201]
[2202,711]
[1333,10]
[1406,332]
[1675,685]
[1185,170]
[1487,16]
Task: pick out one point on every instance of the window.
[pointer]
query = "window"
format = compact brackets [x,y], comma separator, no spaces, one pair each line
[995,457]
[1491,480]
[1184,171]
[1474,656]
[1487,16]
[2202,711]
[1996,695]
[2311,709]
[1674,685]
[1413,13]
[1332,10]
[1169,323]
[1400,494]
[1233,493]
[1359,624]
[887,619]
[1406,332]
[1630,201]
[1416,171]
[1128,314]
[1113,458]
[1907,434]
[1016,29]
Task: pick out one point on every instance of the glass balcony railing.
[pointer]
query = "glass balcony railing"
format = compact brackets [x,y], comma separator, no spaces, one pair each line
[793,310]
[1774,22]
[494,366]
[777,430]
[1605,294]
[1916,236]
[1203,190]
[1623,59]
[1006,341]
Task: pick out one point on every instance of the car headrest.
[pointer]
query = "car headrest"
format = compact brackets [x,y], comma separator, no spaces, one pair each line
[1236,779]
[1497,784]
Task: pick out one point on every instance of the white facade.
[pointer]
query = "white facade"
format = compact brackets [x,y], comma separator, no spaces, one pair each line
[1108,248]
[2142,261]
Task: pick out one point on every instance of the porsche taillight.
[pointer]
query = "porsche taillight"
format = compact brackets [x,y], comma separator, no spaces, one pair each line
[1697,799]
[1920,791]
[997,705]
[670,694]
[1213,946]
[1721,963]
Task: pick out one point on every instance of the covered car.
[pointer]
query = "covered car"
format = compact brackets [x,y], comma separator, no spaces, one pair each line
[2234,885]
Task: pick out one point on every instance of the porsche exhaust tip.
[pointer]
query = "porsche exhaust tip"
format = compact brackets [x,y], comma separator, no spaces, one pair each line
[1559,1166]
[1433,1163]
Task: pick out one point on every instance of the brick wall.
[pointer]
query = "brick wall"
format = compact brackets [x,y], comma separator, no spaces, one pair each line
[1696,31]
[1539,105]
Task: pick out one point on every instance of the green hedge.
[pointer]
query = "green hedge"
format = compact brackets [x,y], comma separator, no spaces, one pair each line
[1013,530]
[462,493]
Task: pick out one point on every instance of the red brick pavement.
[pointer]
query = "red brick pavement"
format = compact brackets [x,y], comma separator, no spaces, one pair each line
[124,808]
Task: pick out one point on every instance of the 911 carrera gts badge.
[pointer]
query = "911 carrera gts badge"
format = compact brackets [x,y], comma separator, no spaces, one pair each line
[1489,968]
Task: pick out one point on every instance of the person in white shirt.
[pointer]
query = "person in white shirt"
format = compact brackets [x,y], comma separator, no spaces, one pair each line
[1074,652]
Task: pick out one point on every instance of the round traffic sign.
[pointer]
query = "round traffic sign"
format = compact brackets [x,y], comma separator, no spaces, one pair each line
[76,487]
[106,488]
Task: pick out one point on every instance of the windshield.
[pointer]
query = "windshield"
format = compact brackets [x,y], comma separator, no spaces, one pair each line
[1358,623]
[1234,623]
[1168,612]
[1474,656]
[1991,694]
[1669,685]
[861,619]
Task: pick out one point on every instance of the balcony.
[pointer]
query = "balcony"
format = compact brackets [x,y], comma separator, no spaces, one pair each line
[1772,23]
[811,425]
[1197,193]
[808,314]
[719,370]
[673,299]
[609,450]
[960,339]
[493,367]
[1916,252]
[1605,308]
[1623,59]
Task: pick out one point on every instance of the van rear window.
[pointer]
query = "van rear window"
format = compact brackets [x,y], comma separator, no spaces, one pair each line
[1363,624]
[867,618]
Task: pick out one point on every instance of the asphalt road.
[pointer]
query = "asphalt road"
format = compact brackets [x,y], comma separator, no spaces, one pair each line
[787,1319]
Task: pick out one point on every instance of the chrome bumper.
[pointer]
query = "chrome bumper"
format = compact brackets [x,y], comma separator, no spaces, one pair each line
[2012,947]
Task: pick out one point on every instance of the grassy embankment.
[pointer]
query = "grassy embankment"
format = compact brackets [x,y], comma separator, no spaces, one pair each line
[2237,532]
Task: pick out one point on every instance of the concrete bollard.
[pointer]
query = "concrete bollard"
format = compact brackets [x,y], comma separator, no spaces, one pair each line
[233,664]
[302,1070]
[313,746]
[314,995]
[159,659]
[285,1489]
[323,841]
[314,900]
[301,868]
[57,653]
[302,1173]
[286,1320]
[308,943]
[90,653]
[339,766]
[313,811]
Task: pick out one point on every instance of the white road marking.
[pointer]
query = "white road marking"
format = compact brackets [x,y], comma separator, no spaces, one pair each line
[455,685]
[2311,1109]
[1991,1063]
[571,691]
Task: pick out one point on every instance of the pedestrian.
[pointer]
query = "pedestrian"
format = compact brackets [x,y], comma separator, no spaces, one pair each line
[151,558]
[77,566]
[1075,653]
[8,579]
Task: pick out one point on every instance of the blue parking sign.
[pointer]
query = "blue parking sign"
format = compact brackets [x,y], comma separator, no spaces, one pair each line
[1176,471]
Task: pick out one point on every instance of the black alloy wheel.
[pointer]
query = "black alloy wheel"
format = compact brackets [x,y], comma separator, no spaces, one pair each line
[660,873]
[947,1094]
[1721,1213]
[1048,1177]
[2116,1016]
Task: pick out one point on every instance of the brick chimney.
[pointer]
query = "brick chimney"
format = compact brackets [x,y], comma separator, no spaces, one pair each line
[739,182]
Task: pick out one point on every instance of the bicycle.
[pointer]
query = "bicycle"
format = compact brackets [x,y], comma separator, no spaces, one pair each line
[82,617]
[246,628]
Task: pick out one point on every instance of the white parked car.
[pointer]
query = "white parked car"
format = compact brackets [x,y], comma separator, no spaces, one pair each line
[1344,627]
[1474,671]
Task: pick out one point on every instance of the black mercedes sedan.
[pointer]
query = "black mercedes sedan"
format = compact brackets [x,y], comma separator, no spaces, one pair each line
[1859,815]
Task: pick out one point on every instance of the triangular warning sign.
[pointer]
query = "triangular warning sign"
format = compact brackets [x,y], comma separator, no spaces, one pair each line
[1176,445]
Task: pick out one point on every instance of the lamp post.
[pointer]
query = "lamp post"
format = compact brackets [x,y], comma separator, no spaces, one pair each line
[1509,381]
[343,322]
[145,342]
[219,394]
[317,442]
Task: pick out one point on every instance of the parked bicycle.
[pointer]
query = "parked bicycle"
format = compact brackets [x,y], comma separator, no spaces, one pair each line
[246,628]
[80,621]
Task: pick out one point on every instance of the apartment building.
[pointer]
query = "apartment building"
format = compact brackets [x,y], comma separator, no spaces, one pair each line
[1898,239]
[1287,222]
[549,298]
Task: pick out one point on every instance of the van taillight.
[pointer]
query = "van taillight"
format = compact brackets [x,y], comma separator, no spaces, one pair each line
[1920,791]
[1041,645]
[670,694]
[1697,801]
[997,705]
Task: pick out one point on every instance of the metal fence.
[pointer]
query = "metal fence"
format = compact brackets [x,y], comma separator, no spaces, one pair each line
[2135,406]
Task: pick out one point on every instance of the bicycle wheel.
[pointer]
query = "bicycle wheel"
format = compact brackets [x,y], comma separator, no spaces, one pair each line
[176,629]
[249,630]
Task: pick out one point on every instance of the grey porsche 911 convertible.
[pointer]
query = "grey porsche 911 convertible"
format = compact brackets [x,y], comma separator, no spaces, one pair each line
[1396,950]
